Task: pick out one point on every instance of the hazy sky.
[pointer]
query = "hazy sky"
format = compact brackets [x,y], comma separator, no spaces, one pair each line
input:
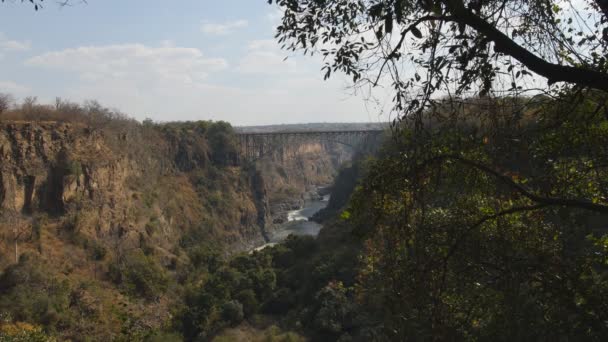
[169,60]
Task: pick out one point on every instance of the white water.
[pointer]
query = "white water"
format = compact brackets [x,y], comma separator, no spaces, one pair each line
[297,222]
[296,215]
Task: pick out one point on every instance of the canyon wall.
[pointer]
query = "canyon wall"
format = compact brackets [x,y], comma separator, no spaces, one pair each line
[151,186]
[297,171]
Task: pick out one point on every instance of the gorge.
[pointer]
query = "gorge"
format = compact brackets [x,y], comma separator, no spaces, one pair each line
[477,211]
[123,210]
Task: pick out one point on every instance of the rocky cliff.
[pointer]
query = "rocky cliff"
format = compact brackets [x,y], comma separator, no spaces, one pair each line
[118,185]
[296,172]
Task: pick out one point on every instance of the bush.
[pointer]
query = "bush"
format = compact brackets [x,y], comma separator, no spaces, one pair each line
[222,141]
[139,275]
[98,252]
[280,302]
[249,301]
[232,312]
[334,309]
[22,332]
[29,293]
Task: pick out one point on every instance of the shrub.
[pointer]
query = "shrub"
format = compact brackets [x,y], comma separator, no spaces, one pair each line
[334,309]
[139,275]
[22,332]
[232,312]
[249,301]
[98,252]
[280,302]
[28,292]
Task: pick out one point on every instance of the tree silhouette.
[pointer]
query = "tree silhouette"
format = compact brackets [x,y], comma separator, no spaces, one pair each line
[453,47]
[38,3]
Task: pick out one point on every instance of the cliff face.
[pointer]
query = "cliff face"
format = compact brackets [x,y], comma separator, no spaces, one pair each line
[115,188]
[35,171]
[291,175]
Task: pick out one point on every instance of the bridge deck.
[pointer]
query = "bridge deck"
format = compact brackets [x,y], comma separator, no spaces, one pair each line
[362,131]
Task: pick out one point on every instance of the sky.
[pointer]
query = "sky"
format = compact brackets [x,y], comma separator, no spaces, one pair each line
[170,60]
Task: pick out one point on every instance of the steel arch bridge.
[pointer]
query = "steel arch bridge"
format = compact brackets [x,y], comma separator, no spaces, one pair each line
[257,145]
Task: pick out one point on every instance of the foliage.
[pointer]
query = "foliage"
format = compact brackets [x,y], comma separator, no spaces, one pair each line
[485,218]
[491,230]
[139,275]
[232,312]
[295,279]
[22,332]
[455,47]
[223,143]
[341,190]
[248,299]
[29,293]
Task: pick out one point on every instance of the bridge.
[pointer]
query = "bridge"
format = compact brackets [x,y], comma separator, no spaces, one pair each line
[255,145]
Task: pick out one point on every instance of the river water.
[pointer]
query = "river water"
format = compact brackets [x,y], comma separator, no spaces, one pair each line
[298,223]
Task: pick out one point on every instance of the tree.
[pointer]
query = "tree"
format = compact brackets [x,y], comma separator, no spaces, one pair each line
[485,216]
[453,47]
[6,102]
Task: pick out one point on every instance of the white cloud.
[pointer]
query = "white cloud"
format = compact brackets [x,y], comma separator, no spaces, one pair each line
[13,45]
[218,29]
[132,62]
[13,88]
[170,83]
[265,56]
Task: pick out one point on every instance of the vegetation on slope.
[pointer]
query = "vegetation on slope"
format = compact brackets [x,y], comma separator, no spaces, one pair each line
[124,218]
[490,230]
[108,256]
[304,286]
[484,230]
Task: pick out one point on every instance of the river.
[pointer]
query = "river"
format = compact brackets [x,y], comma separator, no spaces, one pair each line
[298,223]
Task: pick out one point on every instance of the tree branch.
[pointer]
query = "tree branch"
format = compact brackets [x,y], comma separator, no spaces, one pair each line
[485,219]
[397,47]
[504,44]
[565,202]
